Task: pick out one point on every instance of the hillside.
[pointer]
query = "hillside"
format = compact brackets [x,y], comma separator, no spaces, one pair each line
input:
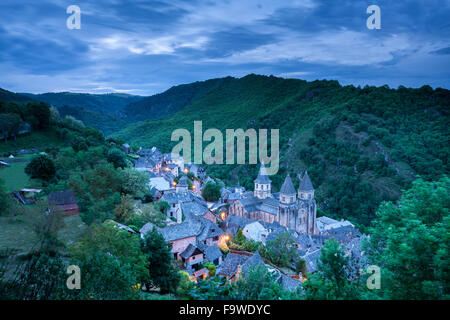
[171,100]
[105,122]
[112,103]
[360,145]
[8,96]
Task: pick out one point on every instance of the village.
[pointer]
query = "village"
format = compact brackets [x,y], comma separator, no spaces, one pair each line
[201,231]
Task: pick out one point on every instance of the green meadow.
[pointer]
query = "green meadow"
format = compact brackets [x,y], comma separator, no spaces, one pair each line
[14,176]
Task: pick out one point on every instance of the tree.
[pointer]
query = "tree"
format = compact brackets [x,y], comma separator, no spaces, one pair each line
[41,277]
[211,192]
[46,223]
[111,263]
[211,268]
[9,124]
[215,288]
[135,182]
[41,167]
[147,213]
[72,123]
[257,284]
[116,243]
[117,157]
[5,200]
[162,206]
[281,250]
[125,209]
[185,284]
[331,281]
[159,262]
[105,277]
[300,266]
[41,113]
[409,242]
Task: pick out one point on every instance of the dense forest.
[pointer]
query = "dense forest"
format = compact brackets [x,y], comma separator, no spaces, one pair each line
[111,103]
[360,145]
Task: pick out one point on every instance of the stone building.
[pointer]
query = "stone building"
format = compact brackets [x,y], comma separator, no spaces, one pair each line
[293,210]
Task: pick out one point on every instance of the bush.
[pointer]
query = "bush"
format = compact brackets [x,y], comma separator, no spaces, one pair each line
[211,192]
[41,167]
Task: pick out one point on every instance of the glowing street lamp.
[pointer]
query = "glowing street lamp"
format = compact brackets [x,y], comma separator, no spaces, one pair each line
[186,170]
[223,215]
[227,238]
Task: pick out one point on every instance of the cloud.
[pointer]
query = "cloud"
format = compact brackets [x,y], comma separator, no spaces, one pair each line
[443,51]
[147,46]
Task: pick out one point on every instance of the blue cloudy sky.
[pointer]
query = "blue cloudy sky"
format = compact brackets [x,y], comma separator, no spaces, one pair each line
[144,47]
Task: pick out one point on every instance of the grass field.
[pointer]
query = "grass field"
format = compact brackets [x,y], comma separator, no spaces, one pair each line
[17,232]
[37,139]
[14,176]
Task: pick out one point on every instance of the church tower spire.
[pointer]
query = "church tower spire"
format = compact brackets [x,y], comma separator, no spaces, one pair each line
[287,191]
[306,189]
[262,183]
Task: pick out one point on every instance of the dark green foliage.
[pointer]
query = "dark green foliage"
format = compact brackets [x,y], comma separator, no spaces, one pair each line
[40,277]
[104,277]
[409,242]
[5,200]
[162,206]
[260,284]
[281,251]
[331,281]
[159,262]
[172,100]
[9,124]
[41,167]
[239,242]
[211,192]
[106,123]
[215,288]
[112,103]
[117,157]
[39,115]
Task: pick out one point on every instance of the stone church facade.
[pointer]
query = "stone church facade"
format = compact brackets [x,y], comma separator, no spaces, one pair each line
[295,210]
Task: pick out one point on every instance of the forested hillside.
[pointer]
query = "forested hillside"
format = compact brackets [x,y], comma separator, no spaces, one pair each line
[105,122]
[359,145]
[172,100]
[112,103]
[8,96]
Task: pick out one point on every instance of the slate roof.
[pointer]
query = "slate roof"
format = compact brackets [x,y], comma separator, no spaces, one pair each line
[305,241]
[209,230]
[287,187]
[305,183]
[311,260]
[182,182]
[230,265]
[253,262]
[194,209]
[145,162]
[190,251]
[262,175]
[180,231]
[146,228]
[287,283]
[62,197]
[240,222]
[175,197]
[267,208]
[211,252]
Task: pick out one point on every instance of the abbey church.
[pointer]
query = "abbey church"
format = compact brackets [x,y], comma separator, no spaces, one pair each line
[291,209]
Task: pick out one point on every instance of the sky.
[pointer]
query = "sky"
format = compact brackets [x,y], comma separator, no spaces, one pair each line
[145,47]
